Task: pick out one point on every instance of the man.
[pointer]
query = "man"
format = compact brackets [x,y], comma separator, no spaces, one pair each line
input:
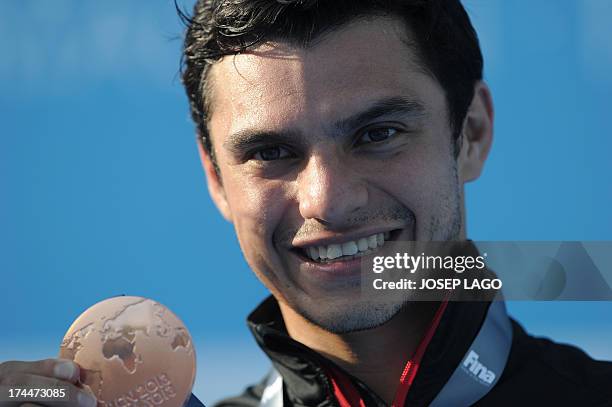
[328,129]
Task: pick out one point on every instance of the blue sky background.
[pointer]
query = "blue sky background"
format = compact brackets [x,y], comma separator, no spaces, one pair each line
[101,191]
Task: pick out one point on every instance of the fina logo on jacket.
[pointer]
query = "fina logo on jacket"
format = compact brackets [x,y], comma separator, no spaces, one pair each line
[476,369]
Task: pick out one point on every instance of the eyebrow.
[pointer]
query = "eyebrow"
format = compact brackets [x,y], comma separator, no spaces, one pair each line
[393,106]
[243,140]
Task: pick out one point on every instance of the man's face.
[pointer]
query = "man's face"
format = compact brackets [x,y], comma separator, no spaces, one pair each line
[329,151]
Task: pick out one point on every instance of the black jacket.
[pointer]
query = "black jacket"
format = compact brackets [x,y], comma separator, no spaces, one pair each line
[537,372]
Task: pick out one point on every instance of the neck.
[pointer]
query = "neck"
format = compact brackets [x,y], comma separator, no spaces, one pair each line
[375,356]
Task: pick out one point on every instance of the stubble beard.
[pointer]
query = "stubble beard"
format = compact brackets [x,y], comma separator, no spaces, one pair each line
[362,313]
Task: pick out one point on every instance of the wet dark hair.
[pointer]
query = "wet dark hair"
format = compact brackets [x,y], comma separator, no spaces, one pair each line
[445,39]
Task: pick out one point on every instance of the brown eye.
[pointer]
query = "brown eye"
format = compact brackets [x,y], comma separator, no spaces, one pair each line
[377,135]
[271,154]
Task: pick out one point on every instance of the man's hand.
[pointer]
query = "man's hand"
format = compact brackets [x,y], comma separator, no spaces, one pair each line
[44,374]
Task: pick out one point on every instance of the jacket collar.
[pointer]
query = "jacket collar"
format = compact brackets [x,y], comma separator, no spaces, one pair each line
[303,370]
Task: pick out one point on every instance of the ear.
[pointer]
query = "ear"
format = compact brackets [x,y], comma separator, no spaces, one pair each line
[477,134]
[215,186]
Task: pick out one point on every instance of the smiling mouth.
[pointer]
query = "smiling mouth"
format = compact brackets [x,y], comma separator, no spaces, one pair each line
[347,250]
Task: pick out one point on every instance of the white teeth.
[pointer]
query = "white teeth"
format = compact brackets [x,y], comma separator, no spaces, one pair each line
[372,242]
[334,251]
[322,252]
[313,252]
[362,244]
[350,248]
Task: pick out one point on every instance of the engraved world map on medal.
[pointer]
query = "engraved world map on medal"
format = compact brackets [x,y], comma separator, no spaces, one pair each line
[133,352]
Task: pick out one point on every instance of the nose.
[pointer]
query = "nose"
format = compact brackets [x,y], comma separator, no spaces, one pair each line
[329,191]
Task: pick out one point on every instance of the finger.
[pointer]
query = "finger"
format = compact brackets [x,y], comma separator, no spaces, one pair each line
[62,369]
[74,397]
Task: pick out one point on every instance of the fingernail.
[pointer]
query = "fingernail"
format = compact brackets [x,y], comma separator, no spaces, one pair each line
[64,370]
[86,399]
